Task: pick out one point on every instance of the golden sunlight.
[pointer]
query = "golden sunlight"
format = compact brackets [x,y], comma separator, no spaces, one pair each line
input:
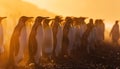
[89,8]
[53,41]
[14,9]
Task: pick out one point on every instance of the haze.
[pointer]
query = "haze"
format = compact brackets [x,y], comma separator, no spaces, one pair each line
[105,9]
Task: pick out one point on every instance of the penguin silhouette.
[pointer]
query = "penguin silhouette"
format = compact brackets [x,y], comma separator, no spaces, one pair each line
[115,33]
[100,29]
[88,35]
[36,40]
[47,39]
[1,36]
[57,35]
[65,40]
[18,42]
[71,36]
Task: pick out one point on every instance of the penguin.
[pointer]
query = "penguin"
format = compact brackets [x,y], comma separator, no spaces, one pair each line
[77,41]
[18,42]
[89,35]
[71,36]
[59,40]
[91,39]
[23,41]
[47,39]
[115,33]
[100,29]
[57,35]
[65,40]
[82,30]
[36,40]
[83,26]
[1,36]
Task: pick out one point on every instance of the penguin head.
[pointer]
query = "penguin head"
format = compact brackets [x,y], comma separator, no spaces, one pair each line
[116,22]
[24,19]
[98,22]
[39,19]
[46,22]
[80,19]
[68,20]
[91,20]
[101,21]
[58,19]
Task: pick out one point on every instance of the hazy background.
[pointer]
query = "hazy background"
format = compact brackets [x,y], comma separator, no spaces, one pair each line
[106,9]
[13,9]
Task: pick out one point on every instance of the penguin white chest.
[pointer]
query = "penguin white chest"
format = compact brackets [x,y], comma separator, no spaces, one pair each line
[22,45]
[48,40]
[23,37]
[39,39]
[39,35]
[59,40]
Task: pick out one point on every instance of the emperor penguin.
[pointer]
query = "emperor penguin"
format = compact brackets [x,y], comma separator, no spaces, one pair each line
[1,36]
[36,40]
[18,42]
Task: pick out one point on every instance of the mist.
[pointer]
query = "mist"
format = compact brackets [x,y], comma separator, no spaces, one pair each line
[13,9]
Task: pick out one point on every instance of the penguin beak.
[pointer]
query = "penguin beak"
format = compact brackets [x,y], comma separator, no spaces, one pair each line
[2,18]
[30,17]
[45,17]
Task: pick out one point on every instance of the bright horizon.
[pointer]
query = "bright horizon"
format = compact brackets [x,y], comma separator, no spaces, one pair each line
[104,9]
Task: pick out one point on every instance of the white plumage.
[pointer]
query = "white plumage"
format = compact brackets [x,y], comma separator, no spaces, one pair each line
[91,39]
[48,41]
[71,36]
[22,46]
[39,38]
[59,40]
[83,28]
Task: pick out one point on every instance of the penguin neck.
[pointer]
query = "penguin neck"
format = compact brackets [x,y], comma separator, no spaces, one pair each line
[24,31]
[36,25]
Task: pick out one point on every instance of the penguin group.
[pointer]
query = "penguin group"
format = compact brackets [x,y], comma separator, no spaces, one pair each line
[54,37]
